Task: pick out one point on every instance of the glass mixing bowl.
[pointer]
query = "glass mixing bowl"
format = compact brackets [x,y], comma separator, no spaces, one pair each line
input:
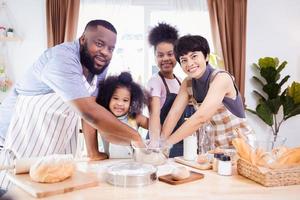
[153,156]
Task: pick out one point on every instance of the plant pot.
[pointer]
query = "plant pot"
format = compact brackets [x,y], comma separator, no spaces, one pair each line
[10,34]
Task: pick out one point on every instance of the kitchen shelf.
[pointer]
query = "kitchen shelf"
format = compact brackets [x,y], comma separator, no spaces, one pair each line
[14,38]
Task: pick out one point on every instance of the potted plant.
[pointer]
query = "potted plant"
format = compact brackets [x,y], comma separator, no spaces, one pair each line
[10,32]
[275,104]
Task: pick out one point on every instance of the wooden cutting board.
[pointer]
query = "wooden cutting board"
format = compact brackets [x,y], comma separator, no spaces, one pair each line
[193,177]
[193,164]
[79,180]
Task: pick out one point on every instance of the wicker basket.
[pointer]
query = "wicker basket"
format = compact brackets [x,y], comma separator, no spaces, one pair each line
[278,177]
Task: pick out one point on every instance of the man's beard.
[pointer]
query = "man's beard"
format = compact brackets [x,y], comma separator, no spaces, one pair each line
[87,61]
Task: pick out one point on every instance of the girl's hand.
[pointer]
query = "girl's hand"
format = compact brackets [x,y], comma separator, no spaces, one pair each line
[152,144]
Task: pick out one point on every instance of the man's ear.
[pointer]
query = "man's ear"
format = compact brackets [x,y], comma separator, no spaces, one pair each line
[82,40]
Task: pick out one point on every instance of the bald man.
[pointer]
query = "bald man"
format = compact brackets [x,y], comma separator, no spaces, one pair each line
[40,116]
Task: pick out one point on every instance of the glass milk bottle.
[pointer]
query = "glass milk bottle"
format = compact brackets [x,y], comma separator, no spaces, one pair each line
[190,143]
[190,147]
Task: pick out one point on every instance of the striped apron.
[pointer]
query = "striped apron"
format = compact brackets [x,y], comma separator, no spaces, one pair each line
[42,125]
[222,123]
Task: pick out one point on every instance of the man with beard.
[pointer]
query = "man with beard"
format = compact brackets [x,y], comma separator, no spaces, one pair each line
[42,112]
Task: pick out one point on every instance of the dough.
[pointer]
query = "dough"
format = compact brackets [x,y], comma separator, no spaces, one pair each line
[52,169]
[155,158]
[149,156]
[180,173]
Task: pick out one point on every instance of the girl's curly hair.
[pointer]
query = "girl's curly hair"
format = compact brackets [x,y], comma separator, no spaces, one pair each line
[162,33]
[139,96]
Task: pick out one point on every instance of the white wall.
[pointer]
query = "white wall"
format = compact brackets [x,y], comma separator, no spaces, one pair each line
[29,21]
[273,30]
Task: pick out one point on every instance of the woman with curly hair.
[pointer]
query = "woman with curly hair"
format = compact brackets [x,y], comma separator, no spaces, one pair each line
[164,85]
[125,99]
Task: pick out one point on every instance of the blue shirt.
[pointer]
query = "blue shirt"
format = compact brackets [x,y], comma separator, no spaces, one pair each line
[57,70]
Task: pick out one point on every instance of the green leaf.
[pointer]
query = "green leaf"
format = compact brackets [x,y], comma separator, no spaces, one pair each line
[256,66]
[267,62]
[270,74]
[294,92]
[272,89]
[252,111]
[295,111]
[276,62]
[274,104]
[281,67]
[258,80]
[265,113]
[260,95]
[284,80]
[288,104]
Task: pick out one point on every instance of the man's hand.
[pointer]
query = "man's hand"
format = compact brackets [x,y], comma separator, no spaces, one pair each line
[138,144]
[98,156]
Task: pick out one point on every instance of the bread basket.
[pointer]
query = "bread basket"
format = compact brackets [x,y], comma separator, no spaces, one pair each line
[270,178]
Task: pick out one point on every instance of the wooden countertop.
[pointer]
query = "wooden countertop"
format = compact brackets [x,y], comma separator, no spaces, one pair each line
[213,186]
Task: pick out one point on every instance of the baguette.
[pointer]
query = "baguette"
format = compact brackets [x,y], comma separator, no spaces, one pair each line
[243,149]
[290,157]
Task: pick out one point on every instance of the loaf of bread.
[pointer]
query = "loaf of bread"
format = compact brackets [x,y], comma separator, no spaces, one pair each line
[52,169]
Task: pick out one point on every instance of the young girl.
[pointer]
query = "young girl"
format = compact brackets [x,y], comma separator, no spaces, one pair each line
[164,85]
[125,99]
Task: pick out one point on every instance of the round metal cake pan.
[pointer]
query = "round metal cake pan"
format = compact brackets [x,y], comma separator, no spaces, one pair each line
[131,174]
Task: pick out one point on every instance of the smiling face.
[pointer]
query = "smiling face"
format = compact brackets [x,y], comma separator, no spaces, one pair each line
[120,101]
[96,48]
[165,57]
[193,64]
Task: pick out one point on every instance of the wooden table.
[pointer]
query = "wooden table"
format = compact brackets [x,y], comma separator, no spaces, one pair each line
[213,186]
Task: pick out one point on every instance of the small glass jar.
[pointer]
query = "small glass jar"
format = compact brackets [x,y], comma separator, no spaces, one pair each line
[224,166]
[216,160]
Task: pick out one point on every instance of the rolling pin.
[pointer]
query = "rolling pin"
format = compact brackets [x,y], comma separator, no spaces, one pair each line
[20,166]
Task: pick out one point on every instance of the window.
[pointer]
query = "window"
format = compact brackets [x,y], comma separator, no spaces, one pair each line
[133,21]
